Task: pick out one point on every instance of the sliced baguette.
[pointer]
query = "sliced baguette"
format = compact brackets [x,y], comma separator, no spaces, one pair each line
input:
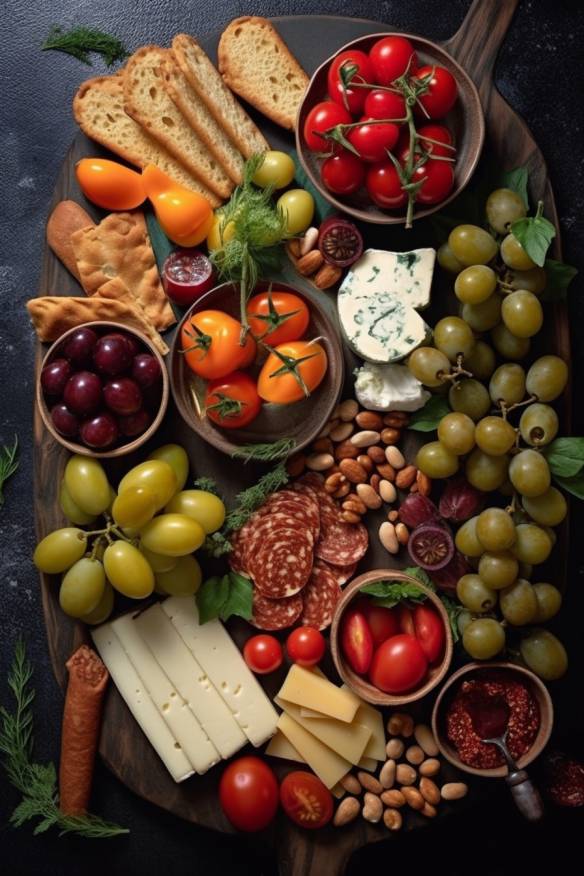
[257,64]
[200,119]
[98,108]
[148,102]
[206,80]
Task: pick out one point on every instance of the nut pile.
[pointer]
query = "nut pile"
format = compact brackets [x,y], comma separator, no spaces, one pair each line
[309,261]
[406,779]
[363,468]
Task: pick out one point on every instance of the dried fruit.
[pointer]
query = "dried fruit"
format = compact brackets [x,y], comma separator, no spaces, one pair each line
[460,500]
[340,242]
[430,546]
[447,577]
[417,509]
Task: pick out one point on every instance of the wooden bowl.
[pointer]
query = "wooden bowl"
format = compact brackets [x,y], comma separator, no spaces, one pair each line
[537,689]
[465,120]
[301,421]
[121,450]
[357,683]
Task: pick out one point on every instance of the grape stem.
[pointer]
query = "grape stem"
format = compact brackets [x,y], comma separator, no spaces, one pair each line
[506,409]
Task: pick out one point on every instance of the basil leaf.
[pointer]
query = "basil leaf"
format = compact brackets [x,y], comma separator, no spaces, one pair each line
[534,233]
[239,601]
[453,611]
[211,597]
[428,417]
[574,485]
[559,277]
[517,180]
[421,575]
[389,593]
[565,456]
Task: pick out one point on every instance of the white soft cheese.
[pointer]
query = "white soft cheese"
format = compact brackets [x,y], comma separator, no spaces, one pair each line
[405,275]
[389,388]
[378,326]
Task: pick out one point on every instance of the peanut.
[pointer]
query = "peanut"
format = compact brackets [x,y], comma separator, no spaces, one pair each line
[353,471]
[327,276]
[395,724]
[376,453]
[309,241]
[414,755]
[395,748]
[393,798]
[429,811]
[392,819]
[351,784]
[407,724]
[346,450]
[347,811]
[388,538]
[425,739]
[396,419]
[402,532]
[375,480]
[295,465]
[334,481]
[423,483]
[369,782]
[341,432]
[369,420]
[413,798]
[430,767]
[365,438]
[322,445]
[429,790]
[390,436]
[387,774]
[393,516]
[368,495]
[343,491]
[387,491]
[405,774]
[310,263]
[453,791]
[395,457]
[348,410]
[373,808]
[319,461]
[366,462]
[406,477]
[350,517]
[354,503]
[386,471]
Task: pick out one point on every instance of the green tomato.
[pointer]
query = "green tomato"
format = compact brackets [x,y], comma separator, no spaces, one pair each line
[87,485]
[173,535]
[60,549]
[184,580]
[82,587]
[154,474]
[298,206]
[128,570]
[206,508]
[277,170]
[176,457]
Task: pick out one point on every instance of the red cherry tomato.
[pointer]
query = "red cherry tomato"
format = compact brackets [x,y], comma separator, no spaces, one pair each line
[385,187]
[343,174]
[232,401]
[382,622]
[306,646]
[248,792]
[441,94]
[356,641]
[405,619]
[427,134]
[373,141]
[384,105]
[398,665]
[306,800]
[429,632]
[262,654]
[321,117]
[438,179]
[351,98]
[391,57]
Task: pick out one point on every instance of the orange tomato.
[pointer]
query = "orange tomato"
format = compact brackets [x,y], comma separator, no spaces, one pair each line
[292,371]
[110,185]
[277,317]
[232,401]
[186,217]
[211,346]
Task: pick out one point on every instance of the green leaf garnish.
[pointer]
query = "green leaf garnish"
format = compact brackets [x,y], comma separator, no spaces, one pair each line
[80,41]
[517,181]
[573,485]
[224,597]
[421,575]
[9,463]
[534,233]
[558,278]
[389,593]
[428,418]
[565,456]
[208,485]
[268,452]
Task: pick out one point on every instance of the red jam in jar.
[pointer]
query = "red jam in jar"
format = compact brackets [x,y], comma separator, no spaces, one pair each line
[186,275]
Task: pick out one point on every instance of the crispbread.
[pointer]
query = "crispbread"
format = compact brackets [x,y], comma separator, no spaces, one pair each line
[52,315]
[66,218]
[98,108]
[206,80]
[200,119]
[257,64]
[148,102]
[119,248]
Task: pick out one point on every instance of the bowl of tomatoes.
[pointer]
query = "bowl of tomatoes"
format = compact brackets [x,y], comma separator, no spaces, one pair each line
[363,108]
[277,379]
[391,640]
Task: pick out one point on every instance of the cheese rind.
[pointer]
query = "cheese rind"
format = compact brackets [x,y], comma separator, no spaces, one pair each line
[140,704]
[327,764]
[405,275]
[348,740]
[305,688]
[279,746]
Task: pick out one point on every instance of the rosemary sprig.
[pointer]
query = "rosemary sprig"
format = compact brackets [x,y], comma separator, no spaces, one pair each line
[265,452]
[80,41]
[37,782]
[9,462]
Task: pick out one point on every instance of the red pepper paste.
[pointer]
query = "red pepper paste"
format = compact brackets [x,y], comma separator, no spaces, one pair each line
[523,721]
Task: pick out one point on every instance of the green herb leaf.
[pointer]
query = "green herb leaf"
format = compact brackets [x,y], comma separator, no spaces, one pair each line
[208,485]
[240,598]
[389,593]
[211,597]
[454,611]
[251,499]
[217,545]
[517,181]
[565,456]
[428,418]
[534,233]
[80,41]
[421,575]
[265,452]
[9,463]
[559,276]
[573,485]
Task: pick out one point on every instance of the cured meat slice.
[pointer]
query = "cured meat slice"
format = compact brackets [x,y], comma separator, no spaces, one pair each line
[299,505]
[311,479]
[282,562]
[263,526]
[341,544]
[341,573]
[237,555]
[320,597]
[275,614]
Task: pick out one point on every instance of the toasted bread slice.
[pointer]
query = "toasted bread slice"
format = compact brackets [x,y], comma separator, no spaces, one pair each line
[148,102]
[98,108]
[200,119]
[257,64]
[206,80]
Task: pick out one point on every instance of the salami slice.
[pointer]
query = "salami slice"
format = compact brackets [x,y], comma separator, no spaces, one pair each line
[264,526]
[320,597]
[341,573]
[299,505]
[237,555]
[282,563]
[341,544]
[311,479]
[275,614]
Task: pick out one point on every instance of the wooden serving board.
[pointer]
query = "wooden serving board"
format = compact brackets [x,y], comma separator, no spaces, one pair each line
[123,747]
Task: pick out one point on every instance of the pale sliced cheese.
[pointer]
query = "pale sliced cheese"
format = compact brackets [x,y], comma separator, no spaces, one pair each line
[367,763]
[279,746]
[305,688]
[212,647]
[184,726]
[338,791]
[190,680]
[140,704]
[406,275]
[348,740]
[329,766]
[369,717]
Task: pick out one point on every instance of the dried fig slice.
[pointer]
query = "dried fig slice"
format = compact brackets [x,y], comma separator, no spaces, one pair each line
[431,546]
[340,242]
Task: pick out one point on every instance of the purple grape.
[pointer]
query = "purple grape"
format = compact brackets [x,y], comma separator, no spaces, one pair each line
[79,346]
[99,432]
[134,344]
[83,393]
[112,354]
[54,376]
[64,421]
[135,424]
[145,370]
[122,395]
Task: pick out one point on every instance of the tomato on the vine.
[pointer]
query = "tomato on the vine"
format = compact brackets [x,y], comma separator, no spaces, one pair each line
[232,401]
[441,94]
[372,141]
[385,186]
[398,665]
[306,800]
[438,179]
[430,137]
[343,174]
[350,98]
[321,117]
[277,316]
[263,654]
[391,57]
[382,104]
[306,646]
[248,793]
[292,371]
[210,343]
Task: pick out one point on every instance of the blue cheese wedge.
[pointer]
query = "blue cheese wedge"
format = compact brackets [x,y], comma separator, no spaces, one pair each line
[405,275]
[378,326]
[389,388]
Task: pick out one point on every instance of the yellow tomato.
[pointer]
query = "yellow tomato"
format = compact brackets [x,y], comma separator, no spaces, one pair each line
[186,217]
[110,185]
[277,170]
[217,237]
[297,205]
[292,371]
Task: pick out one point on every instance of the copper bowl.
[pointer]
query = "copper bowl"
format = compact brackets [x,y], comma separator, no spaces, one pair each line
[357,683]
[301,421]
[465,120]
[104,327]
[536,687]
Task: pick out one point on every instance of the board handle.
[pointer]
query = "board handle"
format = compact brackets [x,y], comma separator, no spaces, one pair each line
[318,854]
[476,43]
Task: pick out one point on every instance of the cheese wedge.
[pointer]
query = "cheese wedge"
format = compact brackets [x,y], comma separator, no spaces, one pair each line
[338,791]
[407,275]
[367,763]
[329,766]
[136,697]
[372,718]
[305,688]
[348,740]
[279,746]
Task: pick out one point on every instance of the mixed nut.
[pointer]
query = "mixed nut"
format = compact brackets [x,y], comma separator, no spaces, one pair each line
[323,252]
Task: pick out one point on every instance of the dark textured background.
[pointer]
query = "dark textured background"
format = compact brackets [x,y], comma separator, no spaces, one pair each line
[540,73]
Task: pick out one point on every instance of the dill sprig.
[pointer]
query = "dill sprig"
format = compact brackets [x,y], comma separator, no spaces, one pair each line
[206,484]
[80,41]
[8,464]
[265,452]
[37,782]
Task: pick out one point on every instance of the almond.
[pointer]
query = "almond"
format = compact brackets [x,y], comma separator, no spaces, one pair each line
[293,248]
[429,791]
[402,532]
[348,410]
[386,471]
[366,462]
[327,276]
[395,748]
[375,480]
[405,477]
[369,420]
[415,755]
[392,819]
[387,774]
[308,242]
[322,445]
[350,517]
[353,471]
[346,450]
[341,432]
[376,453]
[393,798]
[368,495]
[347,811]
[309,263]
[396,419]
[430,767]
[351,784]
[365,438]
[373,808]
[425,739]
[296,464]
[424,483]
[413,798]
[390,436]
[369,782]
[395,457]
[429,811]
[393,515]
[319,461]
[453,790]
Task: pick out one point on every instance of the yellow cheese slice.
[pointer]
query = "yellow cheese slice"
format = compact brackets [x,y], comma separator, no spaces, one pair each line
[367,763]
[372,718]
[329,766]
[279,746]
[305,688]
[338,791]
[348,740]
